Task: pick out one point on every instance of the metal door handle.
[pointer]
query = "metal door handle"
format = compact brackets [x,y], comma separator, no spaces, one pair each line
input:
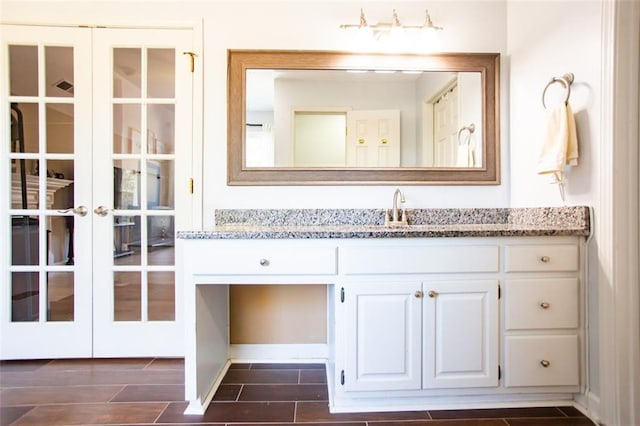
[101,211]
[80,210]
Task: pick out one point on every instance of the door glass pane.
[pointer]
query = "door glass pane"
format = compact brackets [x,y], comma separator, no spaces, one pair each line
[60,137]
[160,240]
[127,123]
[160,185]
[25,243]
[161,129]
[59,71]
[60,296]
[127,296]
[126,184]
[25,296]
[23,70]
[127,72]
[25,122]
[60,175]
[126,240]
[60,239]
[161,299]
[161,73]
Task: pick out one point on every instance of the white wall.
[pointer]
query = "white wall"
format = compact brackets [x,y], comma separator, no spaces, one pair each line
[547,39]
[295,25]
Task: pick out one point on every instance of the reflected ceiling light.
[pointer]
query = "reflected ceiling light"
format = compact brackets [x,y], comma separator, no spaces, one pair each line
[391,29]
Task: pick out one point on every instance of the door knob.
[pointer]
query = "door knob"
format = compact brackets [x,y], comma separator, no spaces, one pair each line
[80,210]
[432,294]
[101,211]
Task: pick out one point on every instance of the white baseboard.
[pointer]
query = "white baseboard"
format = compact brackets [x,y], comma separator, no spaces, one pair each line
[593,408]
[292,353]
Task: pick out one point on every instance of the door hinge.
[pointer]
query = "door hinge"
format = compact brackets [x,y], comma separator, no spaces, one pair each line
[190,185]
[499,372]
[342,377]
[499,292]
[192,56]
[342,295]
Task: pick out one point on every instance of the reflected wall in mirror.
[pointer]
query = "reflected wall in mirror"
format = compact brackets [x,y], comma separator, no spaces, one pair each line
[302,117]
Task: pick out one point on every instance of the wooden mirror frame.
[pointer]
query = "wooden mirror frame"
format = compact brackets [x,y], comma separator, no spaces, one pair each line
[239,61]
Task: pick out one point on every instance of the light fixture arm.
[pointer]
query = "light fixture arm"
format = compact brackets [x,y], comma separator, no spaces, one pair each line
[383,27]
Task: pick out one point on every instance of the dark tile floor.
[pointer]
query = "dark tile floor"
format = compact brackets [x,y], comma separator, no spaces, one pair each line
[150,391]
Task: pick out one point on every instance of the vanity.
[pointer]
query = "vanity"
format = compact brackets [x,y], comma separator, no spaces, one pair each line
[461,308]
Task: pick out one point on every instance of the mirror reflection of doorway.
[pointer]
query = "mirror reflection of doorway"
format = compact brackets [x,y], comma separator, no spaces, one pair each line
[319,139]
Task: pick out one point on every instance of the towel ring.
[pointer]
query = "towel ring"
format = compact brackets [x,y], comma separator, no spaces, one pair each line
[471,128]
[566,80]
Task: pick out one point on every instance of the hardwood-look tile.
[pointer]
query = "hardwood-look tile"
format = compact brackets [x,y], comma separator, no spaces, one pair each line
[98,364]
[287,366]
[150,393]
[571,411]
[9,415]
[284,392]
[319,412]
[227,393]
[313,376]
[557,421]
[239,366]
[78,378]
[468,422]
[166,364]
[22,365]
[496,413]
[261,376]
[57,395]
[232,412]
[82,414]
[309,424]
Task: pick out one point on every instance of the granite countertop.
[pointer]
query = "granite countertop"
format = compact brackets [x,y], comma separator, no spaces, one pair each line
[369,223]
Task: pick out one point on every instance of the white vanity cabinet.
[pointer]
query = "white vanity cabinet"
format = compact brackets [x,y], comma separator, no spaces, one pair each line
[412,323]
[414,335]
[542,316]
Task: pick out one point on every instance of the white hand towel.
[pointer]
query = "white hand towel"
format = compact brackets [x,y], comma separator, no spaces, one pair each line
[464,156]
[560,145]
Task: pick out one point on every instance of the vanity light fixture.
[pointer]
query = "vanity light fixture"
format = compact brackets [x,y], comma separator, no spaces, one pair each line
[390,29]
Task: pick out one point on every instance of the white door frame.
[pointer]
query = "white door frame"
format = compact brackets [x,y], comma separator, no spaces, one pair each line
[616,222]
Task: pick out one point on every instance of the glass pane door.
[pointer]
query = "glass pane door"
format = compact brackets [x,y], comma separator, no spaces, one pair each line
[141,80]
[47,284]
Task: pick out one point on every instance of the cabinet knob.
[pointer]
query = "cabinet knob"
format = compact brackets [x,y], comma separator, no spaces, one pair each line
[264,262]
[419,294]
[545,363]
[545,305]
[545,259]
[432,293]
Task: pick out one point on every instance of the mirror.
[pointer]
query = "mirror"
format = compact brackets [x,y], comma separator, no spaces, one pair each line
[324,118]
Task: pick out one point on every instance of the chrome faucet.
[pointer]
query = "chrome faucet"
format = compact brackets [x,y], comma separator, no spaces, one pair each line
[397,216]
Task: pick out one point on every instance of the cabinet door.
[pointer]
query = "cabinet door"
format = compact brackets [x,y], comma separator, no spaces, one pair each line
[383,336]
[460,346]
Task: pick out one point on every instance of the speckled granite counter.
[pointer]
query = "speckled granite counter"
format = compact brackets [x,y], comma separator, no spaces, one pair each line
[369,223]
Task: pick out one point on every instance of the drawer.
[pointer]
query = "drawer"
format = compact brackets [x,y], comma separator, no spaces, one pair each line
[541,303]
[273,261]
[541,360]
[419,259]
[541,257]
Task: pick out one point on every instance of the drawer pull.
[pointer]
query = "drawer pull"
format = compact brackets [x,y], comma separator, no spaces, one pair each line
[419,294]
[545,363]
[432,294]
[264,262]
[545,259]
[545,305]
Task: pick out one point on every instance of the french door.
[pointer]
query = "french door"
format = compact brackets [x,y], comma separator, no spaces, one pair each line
[100,135]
